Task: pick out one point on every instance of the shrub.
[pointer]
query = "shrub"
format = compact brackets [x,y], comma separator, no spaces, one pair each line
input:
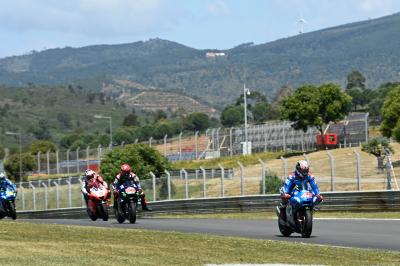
[11,165]
[163,190]
[142,159]
[272,183]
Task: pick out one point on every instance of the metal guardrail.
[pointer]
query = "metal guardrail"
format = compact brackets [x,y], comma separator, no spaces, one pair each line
[334,201]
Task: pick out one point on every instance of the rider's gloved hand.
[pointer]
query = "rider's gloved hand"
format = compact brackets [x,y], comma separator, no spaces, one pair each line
[286,196]
[320,197]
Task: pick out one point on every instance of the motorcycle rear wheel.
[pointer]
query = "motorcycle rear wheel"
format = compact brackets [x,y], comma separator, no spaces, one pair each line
[285,231]
[306,228]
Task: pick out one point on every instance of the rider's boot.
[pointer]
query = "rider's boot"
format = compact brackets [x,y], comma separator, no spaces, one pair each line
[145,207]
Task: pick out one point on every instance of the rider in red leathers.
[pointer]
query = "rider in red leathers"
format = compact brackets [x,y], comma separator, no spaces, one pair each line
[125,174]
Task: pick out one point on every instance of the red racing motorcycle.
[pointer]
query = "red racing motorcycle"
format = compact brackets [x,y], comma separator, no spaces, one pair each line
[98,201]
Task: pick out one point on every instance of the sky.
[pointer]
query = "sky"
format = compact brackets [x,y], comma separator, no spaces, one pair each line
[27,25]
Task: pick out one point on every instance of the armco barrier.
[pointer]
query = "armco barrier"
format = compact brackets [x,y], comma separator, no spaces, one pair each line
[334,201]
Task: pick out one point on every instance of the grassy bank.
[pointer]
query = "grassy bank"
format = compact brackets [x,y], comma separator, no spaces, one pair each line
[39,244]
[229,162]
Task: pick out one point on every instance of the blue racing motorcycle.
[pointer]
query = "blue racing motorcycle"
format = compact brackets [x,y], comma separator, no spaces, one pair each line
[7,202]
[299,213]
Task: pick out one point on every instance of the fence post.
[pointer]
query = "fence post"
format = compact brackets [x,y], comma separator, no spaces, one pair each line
[196,136]
[136,140]
[180,146]
[48,161]
[82,197]
[38,161]
[69,192]
[203,171]
[33,195]
[358,173]
[68,161]
[217,142]
[306,158]
[87,157]
[165,145]
[77,159]
[222,180]
[45,195]
[168,183]
[57,195]
[263,189]
[99,153]
[150,140]
[241,178]
[230,142]
[284,165]
[153,177]
[22,195]
[122,143]
[58,161]
[332,164]
[186,183]
[213,140]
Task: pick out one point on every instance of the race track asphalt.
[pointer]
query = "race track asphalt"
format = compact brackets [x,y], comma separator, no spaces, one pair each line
[361,233]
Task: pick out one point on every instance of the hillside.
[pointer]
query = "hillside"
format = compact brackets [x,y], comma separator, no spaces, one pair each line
[325,55]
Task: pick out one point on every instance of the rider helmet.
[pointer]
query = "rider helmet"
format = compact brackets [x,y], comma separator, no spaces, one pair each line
[89,173]
[302,168]
[2,176]
[125,169]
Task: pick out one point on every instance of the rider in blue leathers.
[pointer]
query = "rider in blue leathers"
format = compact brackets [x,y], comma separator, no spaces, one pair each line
[301,176]
[4,183]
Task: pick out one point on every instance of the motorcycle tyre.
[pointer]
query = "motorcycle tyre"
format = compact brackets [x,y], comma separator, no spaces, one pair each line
[132,212]
[104,211]
[2,211]
[118,214]
[306,229]
[12,211]
[285,231]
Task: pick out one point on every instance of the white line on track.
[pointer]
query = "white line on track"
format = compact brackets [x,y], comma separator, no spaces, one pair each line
[361,219]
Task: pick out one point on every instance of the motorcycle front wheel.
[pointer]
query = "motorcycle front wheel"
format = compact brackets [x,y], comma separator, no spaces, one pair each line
[12,211]
[119,214]
[103,211]
[132,212]
[307,223]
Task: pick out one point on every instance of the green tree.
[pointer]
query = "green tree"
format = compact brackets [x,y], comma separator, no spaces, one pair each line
[142,158]
[390,112]
[11,165]
[355,80]
[131,120]
[261,112]
[312,106]
[378,147]
[43,146]
[232,116]
[197,121]
[42,131]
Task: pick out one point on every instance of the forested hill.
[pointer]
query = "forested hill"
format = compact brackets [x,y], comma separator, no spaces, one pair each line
[371,47]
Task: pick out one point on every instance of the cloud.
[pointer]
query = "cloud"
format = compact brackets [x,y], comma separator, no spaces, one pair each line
[218,8]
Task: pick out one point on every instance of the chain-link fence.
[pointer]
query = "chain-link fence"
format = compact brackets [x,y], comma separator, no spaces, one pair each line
[335,170]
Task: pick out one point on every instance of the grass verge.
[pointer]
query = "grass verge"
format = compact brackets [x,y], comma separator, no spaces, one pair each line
[272,215]
[39,244]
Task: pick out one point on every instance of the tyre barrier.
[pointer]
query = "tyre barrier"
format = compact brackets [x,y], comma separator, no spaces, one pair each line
[333,201]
